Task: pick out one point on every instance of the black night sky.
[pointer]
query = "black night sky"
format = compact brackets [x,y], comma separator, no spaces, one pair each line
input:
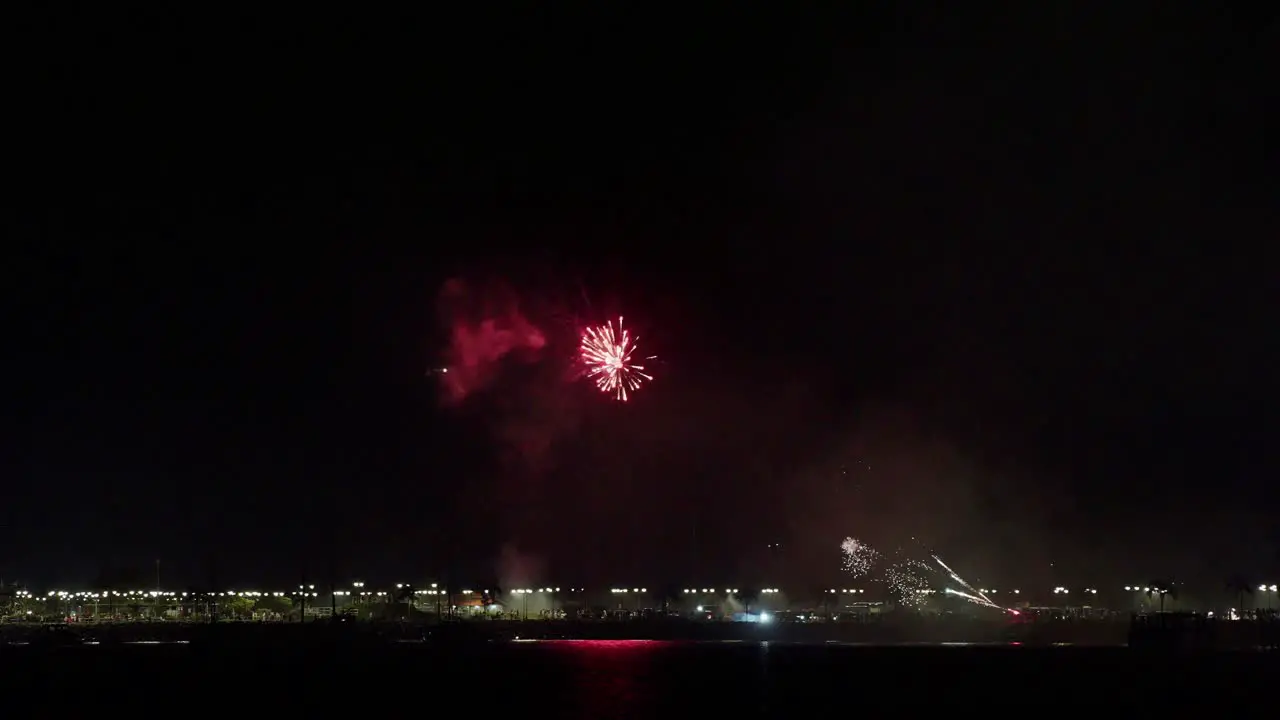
[1004,283]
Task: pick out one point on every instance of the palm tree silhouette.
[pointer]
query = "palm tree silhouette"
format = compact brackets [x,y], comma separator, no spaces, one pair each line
[668,596]
[1240,586]
[828,601]
[1163,588]
[405,595]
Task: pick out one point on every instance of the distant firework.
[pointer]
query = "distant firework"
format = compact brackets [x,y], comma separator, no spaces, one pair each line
[973,594]
[607,355]
[909,581]
[858,557]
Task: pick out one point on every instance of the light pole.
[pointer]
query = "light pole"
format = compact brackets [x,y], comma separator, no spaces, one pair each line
[1268,591]
[524,601]
[1138,592]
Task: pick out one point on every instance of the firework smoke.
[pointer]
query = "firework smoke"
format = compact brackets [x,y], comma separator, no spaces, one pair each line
[518,570]
[483,329]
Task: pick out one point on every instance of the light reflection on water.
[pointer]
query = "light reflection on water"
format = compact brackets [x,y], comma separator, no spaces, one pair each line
[762,643]
[623,644]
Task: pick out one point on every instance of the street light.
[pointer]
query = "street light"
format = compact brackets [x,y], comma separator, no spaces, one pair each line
[524,594]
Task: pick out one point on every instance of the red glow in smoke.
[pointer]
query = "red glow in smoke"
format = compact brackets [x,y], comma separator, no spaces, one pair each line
[482,331]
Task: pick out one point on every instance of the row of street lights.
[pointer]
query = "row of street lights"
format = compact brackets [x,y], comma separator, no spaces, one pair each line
[729,591]
[434,589]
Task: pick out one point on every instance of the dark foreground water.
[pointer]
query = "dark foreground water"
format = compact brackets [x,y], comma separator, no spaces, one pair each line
[630,679]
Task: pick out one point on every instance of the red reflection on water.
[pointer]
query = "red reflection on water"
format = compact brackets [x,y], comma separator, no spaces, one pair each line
[604,645]
[611,678]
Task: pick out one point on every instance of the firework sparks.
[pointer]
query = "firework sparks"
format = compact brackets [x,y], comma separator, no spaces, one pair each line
[858,557]
[909,581]
[973,595]
[975,599]
[607,355]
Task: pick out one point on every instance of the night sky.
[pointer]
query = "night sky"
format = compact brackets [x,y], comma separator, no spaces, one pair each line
[1001,283]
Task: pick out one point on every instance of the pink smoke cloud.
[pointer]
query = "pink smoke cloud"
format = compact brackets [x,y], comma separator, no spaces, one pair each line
[483,328]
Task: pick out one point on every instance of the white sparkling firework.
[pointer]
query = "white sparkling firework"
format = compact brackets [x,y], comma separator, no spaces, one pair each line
[858,557]
[908,580]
